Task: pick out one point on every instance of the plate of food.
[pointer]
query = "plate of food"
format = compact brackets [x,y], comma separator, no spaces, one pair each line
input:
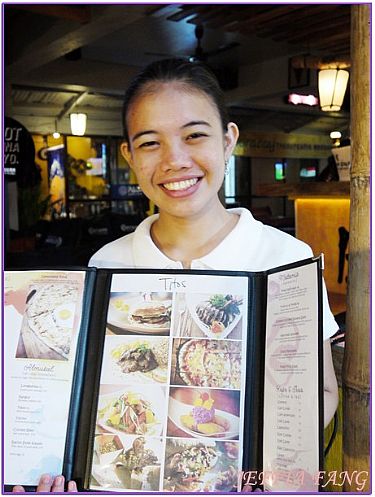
[215,314]
[210,363]
[138,315]
[188,465]
[142,360]
[129,411]
[201,419]
[50,313]
[135,467]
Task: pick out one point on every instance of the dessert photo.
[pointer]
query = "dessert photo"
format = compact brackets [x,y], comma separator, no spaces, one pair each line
[196,412]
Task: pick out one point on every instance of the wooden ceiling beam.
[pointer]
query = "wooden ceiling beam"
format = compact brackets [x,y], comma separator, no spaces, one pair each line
[332,39]
[80,13]
[296,28]
[295,21]
[236,15]
[219,13]
[257,21]
[104,22]
[319,33]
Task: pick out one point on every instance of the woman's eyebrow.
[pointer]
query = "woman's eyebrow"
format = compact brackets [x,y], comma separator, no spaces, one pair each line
[195,123]
[141,133]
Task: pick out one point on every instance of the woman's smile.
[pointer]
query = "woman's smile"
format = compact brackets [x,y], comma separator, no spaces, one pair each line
[180,185]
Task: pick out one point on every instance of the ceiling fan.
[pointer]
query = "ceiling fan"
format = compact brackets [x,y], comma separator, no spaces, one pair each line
[199,54]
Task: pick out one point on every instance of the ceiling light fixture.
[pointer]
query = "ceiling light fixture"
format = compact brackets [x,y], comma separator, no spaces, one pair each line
[332,86]
[56,134]
[78,123]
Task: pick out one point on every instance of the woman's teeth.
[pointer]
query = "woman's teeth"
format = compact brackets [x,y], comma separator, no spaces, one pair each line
[181,185]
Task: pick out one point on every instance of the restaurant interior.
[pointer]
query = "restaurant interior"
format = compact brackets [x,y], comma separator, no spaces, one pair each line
[67,189]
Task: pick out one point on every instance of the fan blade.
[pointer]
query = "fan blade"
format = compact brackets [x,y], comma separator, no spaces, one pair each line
[158,54]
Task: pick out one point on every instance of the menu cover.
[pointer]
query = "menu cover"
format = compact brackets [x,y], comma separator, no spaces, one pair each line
[164,380]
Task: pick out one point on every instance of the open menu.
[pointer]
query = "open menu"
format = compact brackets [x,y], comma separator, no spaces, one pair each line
[164,380]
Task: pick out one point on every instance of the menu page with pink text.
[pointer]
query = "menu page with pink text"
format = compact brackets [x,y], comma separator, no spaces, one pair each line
[42,316]
[291,386]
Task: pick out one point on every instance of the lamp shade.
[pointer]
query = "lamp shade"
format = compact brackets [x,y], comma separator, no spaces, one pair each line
[78,123]
[332,86]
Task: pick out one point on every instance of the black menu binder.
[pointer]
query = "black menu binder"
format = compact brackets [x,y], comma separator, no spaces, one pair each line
[164,380]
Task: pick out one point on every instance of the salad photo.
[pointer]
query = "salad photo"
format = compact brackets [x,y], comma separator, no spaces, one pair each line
[129,411]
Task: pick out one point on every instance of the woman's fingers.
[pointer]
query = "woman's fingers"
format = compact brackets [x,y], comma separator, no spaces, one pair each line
[72,486]
[18,488]
[58,484]
[49,484]
[45,483]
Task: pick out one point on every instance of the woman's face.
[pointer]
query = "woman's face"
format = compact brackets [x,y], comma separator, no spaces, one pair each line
[177,148]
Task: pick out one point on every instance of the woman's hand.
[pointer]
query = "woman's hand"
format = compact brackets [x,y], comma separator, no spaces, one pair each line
[49,484]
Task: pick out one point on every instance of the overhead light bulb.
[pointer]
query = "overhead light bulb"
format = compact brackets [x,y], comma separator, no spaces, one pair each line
[335,137]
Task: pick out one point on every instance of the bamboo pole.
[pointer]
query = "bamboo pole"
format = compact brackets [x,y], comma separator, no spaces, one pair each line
[356,377]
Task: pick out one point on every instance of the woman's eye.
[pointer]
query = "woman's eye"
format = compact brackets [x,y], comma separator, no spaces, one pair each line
[148,144]
[198,134]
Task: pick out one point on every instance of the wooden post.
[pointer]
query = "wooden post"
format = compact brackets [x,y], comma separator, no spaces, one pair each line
[356,376]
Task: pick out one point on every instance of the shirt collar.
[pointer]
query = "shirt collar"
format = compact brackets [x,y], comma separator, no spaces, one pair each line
[233,253]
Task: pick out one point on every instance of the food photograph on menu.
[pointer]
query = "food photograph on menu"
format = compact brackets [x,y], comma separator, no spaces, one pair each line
[200,466]
[47,326]
[131,410]
[196,412]
[129,359]
[139,312]
[206,363]
[208,315]
[126,462]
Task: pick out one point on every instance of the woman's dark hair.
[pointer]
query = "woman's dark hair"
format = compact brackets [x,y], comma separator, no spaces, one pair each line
[193,74]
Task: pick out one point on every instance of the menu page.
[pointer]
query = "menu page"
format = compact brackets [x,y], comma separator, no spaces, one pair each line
[171,398]
[42,314]
[291,403]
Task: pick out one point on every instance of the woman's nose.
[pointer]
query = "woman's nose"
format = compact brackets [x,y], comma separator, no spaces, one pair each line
[175,157]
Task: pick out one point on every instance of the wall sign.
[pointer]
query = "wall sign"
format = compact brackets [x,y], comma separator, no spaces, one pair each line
[258,144]
[19,152]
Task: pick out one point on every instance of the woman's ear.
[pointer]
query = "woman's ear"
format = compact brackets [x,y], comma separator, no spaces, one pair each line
[230,139]
[126,153]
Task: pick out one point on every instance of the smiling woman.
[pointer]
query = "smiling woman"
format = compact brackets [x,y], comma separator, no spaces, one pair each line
[178,138]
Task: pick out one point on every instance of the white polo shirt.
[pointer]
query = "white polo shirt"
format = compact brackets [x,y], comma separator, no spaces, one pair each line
[250,246]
